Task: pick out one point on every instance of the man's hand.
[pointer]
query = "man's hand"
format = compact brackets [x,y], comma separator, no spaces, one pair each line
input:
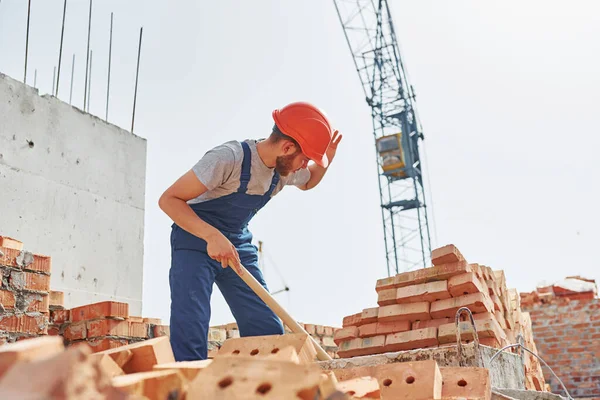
[316,171]
[330,152]
[219,248]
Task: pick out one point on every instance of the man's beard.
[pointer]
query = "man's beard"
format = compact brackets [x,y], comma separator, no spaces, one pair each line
[283,164]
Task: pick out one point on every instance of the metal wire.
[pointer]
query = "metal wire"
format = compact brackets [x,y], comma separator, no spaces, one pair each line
[538,357]
[475,336]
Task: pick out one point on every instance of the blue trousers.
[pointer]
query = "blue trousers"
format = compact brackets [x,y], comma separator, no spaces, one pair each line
[191,280]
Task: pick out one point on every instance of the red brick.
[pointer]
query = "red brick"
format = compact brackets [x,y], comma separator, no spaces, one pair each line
[75,331]
[57,299]
[432,323]
[100,310]
[7,299]
[133,318]
[30,324]
[34,302]
[107,327]
[40,263]
[467,283]
[490,342]
[352,320]
[29,281]
[411,339]
[368,330]
[386,297]
[138,329]
[53,330]
[485,329]
[431,291]
[466,383]
[431,274]
[404,312]
[385,328]
[152,321]
[384,284]
[446,255]
[369,315]
[347,333]
[26,260]
[59,316]
[310,329]
[161,330]
[361,347]
[328,331]
[102,344]
[8,257]
[10,243]
[476,302]
[320,330]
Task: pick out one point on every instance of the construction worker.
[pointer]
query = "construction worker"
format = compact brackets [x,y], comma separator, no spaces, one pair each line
[211,206]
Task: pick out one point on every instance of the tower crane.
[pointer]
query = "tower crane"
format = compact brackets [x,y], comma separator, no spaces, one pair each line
[369,31]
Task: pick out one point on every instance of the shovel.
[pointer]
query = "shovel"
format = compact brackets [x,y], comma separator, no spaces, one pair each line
[277,309]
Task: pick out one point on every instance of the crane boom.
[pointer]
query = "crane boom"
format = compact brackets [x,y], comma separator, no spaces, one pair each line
[369,31]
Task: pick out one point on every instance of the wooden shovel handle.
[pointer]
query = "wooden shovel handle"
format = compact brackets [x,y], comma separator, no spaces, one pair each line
[277,309]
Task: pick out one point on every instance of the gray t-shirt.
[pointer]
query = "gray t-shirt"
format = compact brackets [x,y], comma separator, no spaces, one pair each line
[220,169]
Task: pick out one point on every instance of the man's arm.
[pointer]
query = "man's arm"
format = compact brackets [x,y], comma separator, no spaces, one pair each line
[174,203]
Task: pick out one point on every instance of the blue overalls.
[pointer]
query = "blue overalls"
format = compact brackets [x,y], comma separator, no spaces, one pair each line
[193,272]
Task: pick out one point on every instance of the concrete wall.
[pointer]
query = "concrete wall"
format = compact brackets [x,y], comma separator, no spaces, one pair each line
[72,187]
[567,337]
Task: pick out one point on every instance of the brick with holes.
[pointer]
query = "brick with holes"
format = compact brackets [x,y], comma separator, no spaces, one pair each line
[364,387]
[242,377]
[264,345]
[467,383]
[417,380]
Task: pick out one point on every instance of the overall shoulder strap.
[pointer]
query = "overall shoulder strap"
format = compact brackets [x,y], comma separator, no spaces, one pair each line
[274,183]
[246,162]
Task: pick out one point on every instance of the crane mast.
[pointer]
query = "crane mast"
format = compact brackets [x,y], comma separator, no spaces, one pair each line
[369,31]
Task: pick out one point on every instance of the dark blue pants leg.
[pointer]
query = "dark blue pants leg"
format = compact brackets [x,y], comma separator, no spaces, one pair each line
[191,280]
[253,316]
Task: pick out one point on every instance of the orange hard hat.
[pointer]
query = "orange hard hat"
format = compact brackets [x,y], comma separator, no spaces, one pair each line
[309,126]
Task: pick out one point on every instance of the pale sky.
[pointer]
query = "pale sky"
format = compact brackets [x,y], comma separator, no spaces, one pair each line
[507,92]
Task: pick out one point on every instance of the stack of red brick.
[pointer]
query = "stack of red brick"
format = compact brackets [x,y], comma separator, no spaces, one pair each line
[24,291]
[28,307]
[104,325]
[418,310]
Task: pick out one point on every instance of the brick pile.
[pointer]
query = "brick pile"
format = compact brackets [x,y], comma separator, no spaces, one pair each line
[418,309]
[24,292]
[29,308]
[322,334]
[260,367]
[565,318]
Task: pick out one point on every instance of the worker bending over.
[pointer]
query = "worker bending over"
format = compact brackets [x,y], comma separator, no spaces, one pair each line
[211,206]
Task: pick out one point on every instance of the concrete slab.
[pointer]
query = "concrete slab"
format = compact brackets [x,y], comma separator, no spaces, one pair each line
[528,395]
[506,371]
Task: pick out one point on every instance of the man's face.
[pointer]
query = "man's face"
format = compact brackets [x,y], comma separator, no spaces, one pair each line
[291,163]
